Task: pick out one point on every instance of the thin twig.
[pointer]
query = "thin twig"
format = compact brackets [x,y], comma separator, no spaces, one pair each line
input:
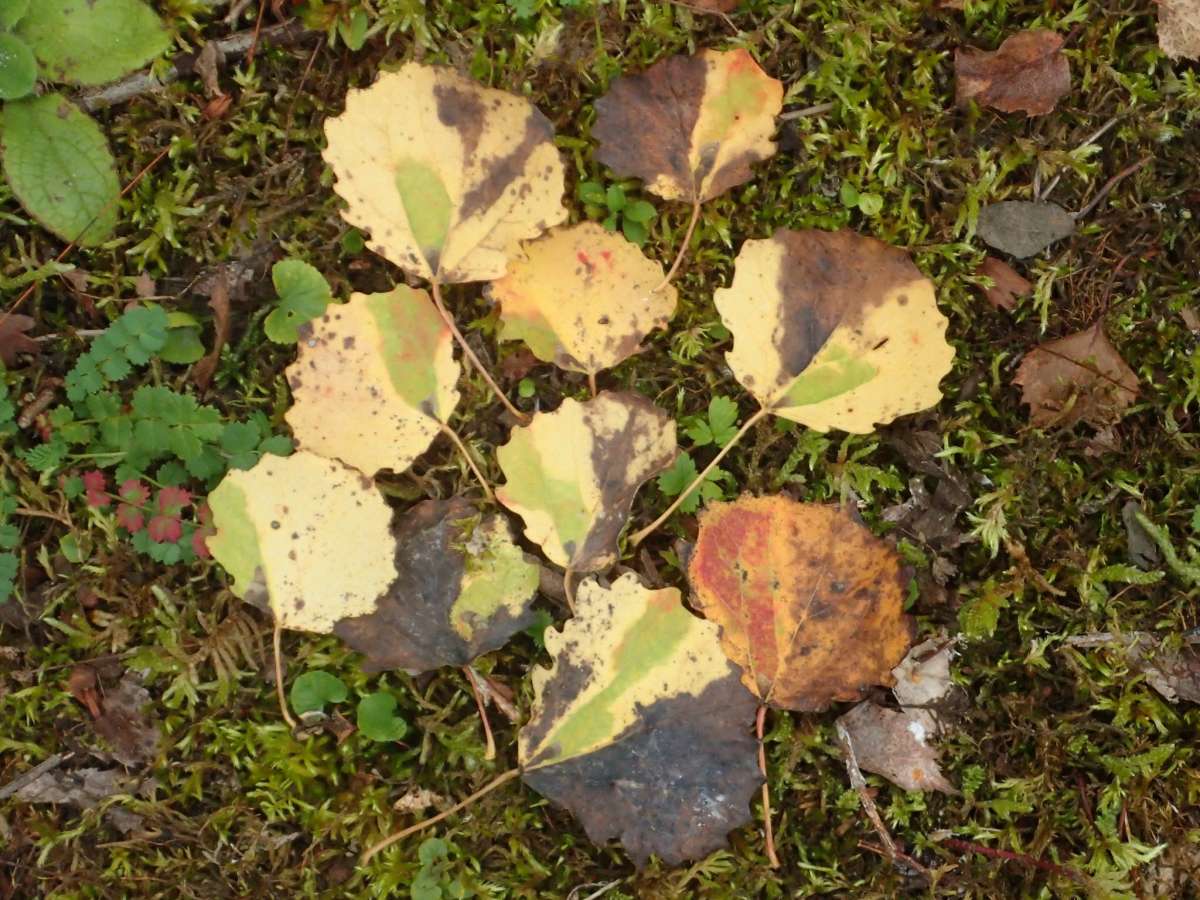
[814,110]
[421,826]
[233,47]
[466,454]
[436,291]
[699,480]
[262,8]
[1010,856]
[490,751]
[860,785]
[768,830]
[47,765]
[1112,183]
[277,645]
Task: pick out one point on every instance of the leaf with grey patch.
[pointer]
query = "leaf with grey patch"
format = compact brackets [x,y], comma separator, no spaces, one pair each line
[894,744]
[464,588]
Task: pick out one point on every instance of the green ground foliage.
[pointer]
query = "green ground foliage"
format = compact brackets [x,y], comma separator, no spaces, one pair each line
[1063,753]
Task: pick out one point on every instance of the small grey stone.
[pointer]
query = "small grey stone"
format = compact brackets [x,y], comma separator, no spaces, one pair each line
[1023,228]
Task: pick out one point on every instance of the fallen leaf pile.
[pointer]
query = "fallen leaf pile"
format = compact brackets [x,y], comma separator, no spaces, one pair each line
[643,726]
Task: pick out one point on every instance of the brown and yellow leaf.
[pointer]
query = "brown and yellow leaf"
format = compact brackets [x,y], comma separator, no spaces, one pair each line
[374,381]
[1081,377]
[641,728]
[1029,73]
[810,603]
[447,176]
[834,329]
[689,126]
[582,298]
[572,473]
[464,589]
[311,532]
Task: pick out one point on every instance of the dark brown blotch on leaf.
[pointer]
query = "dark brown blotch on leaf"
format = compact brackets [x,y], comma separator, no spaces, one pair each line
[674,784]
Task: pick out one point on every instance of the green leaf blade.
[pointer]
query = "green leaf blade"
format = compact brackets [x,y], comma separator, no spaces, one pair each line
[92,41]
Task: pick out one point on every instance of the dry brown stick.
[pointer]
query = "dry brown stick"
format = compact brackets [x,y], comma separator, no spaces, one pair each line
[233,47]
[1112,183]
[1009,856]
[481,703]
[768,830]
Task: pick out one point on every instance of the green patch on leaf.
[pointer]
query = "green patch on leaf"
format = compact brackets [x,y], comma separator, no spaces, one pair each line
[18,68]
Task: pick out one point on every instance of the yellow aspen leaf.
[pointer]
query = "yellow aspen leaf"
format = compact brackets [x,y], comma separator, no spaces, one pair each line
[572,473]
[311,532]
[447,176]
[689,126]
[374,381]
[641,727]
[810,603]
[834,330]
[582,298]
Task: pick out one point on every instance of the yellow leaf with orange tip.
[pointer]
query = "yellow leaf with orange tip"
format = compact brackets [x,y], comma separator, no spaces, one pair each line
[582,298]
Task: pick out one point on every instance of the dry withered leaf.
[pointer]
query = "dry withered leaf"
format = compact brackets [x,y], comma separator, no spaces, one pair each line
[923,676]
[311,530]
[1029,73]
[810,603]
[689,126]
[572,473]
[893,743]
[80,788]
[1008,284]
[834,329]
[1173,673]
[582,298]
[124,725]
[13,339]
[641,728]
[1179,28]
[218,302]
[375,380]
[1081,377]
[445,175]
[1023,228]
[464,589]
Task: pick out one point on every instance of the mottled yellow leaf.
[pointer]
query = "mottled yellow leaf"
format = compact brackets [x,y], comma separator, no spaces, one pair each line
[572,473]
[582,298]
[447,176]
[834,330]
[689,126]
[313,532]
[374,380]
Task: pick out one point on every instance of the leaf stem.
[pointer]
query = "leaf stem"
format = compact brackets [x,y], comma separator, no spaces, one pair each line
[592,383]
[277,645]
[682,252]
[436,291]
[569,588]
[768,831]
[699,480]
[466,454]
[421,826]
[490,752]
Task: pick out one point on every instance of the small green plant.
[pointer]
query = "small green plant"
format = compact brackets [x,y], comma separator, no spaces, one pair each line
[303,295]
[434,882]
[717,427]
[48,140]
[376,713]
[312,691]
[632,216]
[680,477]
[377,719]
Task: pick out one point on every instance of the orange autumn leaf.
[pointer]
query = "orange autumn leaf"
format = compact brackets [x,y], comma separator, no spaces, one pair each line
[810,603]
